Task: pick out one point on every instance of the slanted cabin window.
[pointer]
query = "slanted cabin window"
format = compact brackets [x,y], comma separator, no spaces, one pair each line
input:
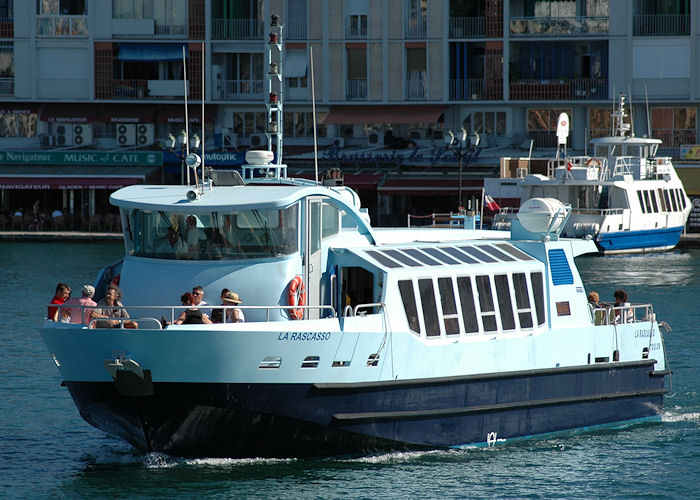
[505,306]
[430,315]
[449,307]
[466,301]
[408,298]
[522,300]
[330,220]
[641,202]
[538,293]
[488,312]
[244,234]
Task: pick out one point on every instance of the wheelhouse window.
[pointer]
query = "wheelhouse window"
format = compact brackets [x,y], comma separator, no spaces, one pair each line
[245,234]
[408,297]
[538,293]
[505,305]
[522,300]
[466,301]
[488,311]
[449,307]
[430,315]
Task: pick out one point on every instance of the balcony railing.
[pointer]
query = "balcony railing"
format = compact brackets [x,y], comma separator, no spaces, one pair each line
[538,26]
[296,29]
[168,29]
[467,89]
[6,27]
[417,28]
[674,137]
[662,25]
[240,90]
[415,89]
[354,29]
[139,90]
[76,26]
[467,27]
[7,86]
[237,29]
[567,89]
[356,89]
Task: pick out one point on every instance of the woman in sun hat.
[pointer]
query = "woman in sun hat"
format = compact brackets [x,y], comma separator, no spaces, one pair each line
[234,315]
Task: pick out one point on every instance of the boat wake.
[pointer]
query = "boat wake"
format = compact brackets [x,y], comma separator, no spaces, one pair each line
[670,416]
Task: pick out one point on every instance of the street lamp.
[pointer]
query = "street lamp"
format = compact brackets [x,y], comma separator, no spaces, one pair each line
[458,145]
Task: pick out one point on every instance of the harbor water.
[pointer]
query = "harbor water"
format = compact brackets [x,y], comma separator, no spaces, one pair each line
[48,451]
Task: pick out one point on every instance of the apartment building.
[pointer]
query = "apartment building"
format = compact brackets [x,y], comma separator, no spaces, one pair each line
[92,90]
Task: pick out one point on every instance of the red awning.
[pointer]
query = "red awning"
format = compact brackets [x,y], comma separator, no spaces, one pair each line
[428,187]
[127,113]
[383,114]
[22,108]
[68,112]
[67,182]
[361,181]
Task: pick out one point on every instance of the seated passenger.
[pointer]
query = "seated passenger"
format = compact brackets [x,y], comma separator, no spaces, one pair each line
[622,315]
[193,235]
[596,308]
[234,315]
[79,314]
[62,294]
[172,245]
[217,315]
[112,313]
[191,315]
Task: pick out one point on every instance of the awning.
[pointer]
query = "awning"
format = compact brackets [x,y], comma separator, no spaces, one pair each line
[348,115]
[151,52]
[21,108]
[127,113]
[429,187]
[67,112]
[295,63]
[176,114]
[73,177]
[361,181]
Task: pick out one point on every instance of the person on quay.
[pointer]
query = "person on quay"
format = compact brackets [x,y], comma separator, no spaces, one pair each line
[233,315]
[82,312]
[191,315]
[111,312]
[62,294]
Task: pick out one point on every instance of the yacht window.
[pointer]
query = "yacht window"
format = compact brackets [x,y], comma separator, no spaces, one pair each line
[430,316]
[402,257]
[563,309]
[315,230]
[647,200]
[654,204]
[488,312]
[330,223]
[212,235]
[478,254]
[408,298]
[642,205]
[496,253]
[522,300]
[383,259]
[538,295]
[459,255]
[434,252]
[681,197]
[663,200]
[667,199]
[674,200]
[514,251]
[466,301]
[505,305]
[449,307]
[416,254]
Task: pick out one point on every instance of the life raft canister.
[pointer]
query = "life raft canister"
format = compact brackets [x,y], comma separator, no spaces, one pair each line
[296,297]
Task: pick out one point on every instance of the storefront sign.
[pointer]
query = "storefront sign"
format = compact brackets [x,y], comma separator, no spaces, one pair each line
[80,158]
[690,152]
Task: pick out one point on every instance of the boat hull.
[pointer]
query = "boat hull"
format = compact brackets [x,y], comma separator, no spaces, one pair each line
[657,240]
[296,420]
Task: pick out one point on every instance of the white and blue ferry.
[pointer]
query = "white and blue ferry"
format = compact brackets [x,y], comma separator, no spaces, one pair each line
[401,339]
[627,199]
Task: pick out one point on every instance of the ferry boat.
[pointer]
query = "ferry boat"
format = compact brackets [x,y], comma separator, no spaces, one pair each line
[624,197]
[403,339]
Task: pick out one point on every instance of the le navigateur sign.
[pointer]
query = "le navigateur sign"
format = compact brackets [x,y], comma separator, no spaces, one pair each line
[81,158]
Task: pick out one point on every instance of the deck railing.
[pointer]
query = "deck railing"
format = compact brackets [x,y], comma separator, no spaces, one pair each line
[616,315]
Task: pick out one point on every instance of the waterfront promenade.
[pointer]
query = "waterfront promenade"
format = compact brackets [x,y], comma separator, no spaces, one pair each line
[689,240]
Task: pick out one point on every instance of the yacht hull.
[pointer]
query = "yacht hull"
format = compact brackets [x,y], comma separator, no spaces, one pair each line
[296,420]
[657,240]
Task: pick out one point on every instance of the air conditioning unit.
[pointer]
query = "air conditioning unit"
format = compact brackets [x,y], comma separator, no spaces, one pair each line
[126,134]
[63,132]
[339,142]
[230,140]
[83,134]
[375,139]
[257,140]
[46,141]
[145,134]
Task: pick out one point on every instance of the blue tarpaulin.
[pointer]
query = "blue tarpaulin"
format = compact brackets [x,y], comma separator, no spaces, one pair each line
[150,52]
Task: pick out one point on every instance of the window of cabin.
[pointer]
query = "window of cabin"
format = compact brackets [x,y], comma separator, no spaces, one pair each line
[538,294]
[449,306]
[522,300]
[466,301]
[505,306]
[488,311]
[654,204]
[430,315]
[663,201]
[642,205]
[330,220]
[408,298]
[674,200]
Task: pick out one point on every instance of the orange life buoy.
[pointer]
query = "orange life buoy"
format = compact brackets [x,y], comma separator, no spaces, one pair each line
[296,297]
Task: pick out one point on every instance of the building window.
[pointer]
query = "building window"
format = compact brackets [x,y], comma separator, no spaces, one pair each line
[246,123]
[7,68]
[542,125]
[6,10]
[417,19]
[599,122]
[674,126]
[416,73]
[132,9]
[356,85]
[18,123]
[485,122]
[299,124]
[357,26]
[62,18]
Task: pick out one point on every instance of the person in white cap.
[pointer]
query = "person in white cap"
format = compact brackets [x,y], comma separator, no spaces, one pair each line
[87,291]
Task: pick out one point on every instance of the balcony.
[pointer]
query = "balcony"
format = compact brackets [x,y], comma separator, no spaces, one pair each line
[7,86]
[236,29]
[6,27]
[356,89]
[68,26]
[153,90]
[566,89]
[662,25]
[467,89]
[240,90]
[539,26]
[356,29]
[170,30]
[416,28]
[296,29]
[467,27]
[415,89]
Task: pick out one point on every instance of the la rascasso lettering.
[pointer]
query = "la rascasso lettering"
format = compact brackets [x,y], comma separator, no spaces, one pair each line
[304,336]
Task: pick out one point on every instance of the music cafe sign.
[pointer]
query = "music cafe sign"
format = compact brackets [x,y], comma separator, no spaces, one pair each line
[80,158]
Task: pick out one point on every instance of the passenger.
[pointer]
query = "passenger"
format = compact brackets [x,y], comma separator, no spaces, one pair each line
[112,310]
[87,292]
[198,293]
[622,315]
[62,294]
[173,245]
[594,300]
[234,315]
[191,315]
[192,237]
[217,315]
[596,308]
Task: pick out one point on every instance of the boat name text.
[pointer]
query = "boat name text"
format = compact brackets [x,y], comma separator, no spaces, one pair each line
[304,336]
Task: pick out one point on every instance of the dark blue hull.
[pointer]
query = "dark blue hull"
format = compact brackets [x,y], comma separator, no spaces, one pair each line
[630,241]
[295,420]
